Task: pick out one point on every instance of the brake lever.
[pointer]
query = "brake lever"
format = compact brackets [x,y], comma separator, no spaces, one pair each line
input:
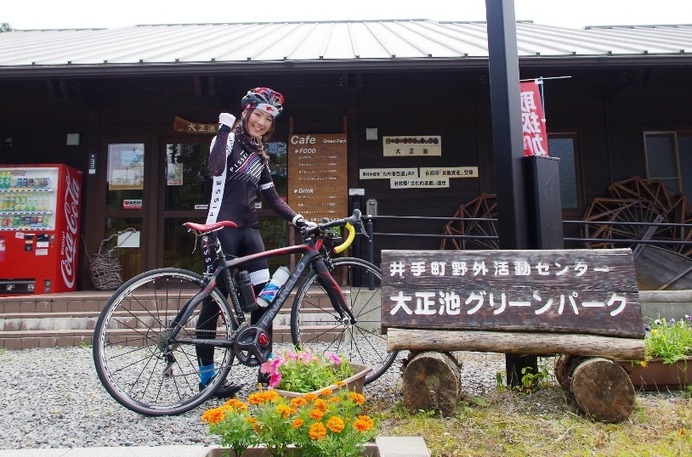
[362,230]
[310,231]
[354,218]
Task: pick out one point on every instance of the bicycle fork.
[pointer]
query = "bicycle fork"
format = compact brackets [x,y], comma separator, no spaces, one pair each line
[336,296]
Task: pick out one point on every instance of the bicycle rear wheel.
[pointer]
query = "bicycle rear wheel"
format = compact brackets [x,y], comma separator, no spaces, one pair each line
[316,325]
[134,359]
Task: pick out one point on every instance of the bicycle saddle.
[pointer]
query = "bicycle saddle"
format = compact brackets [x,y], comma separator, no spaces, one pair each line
[206,228]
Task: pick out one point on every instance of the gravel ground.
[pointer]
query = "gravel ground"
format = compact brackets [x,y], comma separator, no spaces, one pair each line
[52,398]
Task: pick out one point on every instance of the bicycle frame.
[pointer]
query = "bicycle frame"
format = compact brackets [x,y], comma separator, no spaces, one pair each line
[313,255]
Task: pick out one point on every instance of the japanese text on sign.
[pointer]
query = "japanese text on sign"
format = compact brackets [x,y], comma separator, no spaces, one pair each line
[423,177]
[411,146]
[503,289]
[183,125]
[451,303]
[533,120]
[317,175]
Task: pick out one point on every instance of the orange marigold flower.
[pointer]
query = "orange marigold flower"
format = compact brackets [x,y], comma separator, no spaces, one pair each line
[284,411]
[317,431]
[310,397]
[357,398]
[367,419]
[299,402]
[316,414]
[363,423]
[256,398]
[235,404]
[213,416]
[297,422]
[264,396]
[335,424]
[272,395]
[321,405]
[340,383]
[326,392]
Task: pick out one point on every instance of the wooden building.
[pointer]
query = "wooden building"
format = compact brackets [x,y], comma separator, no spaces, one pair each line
[618,104]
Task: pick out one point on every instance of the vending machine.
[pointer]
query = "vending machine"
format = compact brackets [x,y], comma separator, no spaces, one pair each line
[40,228]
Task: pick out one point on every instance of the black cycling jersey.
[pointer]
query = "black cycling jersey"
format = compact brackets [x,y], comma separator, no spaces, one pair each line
[235,193]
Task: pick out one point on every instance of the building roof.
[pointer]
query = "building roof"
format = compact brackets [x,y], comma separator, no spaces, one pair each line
[352,43]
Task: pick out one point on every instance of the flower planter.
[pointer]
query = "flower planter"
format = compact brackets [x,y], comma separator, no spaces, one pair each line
[353,383]
[657,375]
[414,446]
[371,450]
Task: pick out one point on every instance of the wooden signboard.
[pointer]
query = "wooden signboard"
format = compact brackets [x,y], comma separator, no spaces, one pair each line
[589,291]
[318,176]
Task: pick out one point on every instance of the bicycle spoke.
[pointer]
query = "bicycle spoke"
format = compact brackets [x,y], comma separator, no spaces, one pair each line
[316,325]
[135,358]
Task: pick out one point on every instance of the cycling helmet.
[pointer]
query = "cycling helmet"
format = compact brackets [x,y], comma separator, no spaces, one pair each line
[265,99]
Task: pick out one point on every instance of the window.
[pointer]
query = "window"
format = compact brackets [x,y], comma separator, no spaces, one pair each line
[669,159]
[564,147]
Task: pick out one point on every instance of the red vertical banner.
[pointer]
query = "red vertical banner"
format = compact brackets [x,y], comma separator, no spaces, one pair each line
[533,120]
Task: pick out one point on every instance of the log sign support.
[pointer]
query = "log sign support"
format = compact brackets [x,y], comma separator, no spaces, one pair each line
[579,304]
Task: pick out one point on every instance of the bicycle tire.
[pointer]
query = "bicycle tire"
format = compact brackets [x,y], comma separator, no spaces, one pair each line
[130,337]
[315,324]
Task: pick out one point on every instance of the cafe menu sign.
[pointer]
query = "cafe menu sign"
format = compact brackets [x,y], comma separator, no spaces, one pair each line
[318,176]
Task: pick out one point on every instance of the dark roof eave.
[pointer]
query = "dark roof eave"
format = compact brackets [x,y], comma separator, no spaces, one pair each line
[224,68]
[424,64]
[598,61]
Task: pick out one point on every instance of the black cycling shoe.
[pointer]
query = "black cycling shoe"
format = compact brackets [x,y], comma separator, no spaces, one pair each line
[263,378]
[227,390]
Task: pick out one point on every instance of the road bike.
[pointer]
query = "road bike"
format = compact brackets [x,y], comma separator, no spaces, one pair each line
[145,338]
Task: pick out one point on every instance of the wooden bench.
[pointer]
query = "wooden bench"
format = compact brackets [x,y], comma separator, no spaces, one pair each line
[581,305]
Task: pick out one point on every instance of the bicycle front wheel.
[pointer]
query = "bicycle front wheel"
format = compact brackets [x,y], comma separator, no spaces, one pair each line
[134,359]
[316,325]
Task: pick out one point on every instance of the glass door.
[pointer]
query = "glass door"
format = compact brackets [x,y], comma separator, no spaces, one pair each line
[186,194]
[125,205]
[186,191]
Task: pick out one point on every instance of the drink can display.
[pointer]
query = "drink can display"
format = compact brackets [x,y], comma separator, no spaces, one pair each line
[40,220]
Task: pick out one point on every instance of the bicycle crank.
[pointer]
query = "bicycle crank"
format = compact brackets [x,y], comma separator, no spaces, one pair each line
[252,346]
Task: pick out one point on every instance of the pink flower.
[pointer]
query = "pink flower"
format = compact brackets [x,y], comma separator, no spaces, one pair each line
[335,359]
[271,367]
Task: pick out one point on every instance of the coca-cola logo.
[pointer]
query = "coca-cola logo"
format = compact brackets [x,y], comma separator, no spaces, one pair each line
[68,260]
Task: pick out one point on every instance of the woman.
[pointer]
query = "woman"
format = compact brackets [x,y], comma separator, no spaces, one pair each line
[240,169]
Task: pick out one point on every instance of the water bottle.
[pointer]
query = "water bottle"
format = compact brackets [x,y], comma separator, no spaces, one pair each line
[247,294]
[266,297]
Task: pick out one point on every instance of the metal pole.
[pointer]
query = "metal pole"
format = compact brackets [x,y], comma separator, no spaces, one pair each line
[371,251]
[508,145]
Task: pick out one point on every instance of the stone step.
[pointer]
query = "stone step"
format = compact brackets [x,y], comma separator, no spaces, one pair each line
[68,302]
[68,319]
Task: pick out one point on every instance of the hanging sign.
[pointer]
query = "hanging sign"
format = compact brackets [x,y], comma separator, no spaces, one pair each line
[411,146]
[533,120]
[183,125]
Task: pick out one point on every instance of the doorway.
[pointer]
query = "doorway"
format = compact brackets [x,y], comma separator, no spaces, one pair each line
[154,193]
[185,196]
